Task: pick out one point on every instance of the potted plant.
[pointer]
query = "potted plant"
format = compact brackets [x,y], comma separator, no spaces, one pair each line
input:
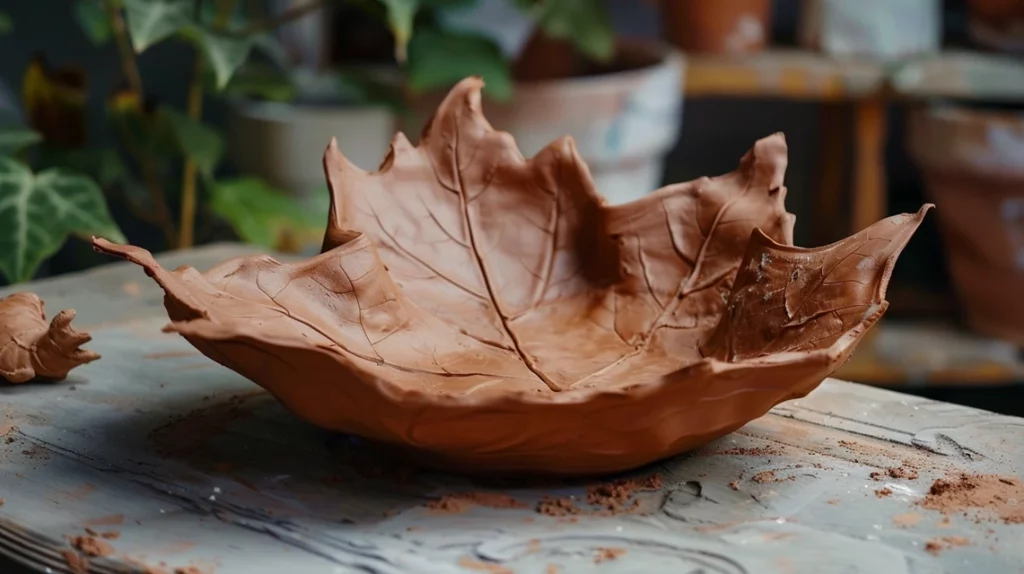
[339,80]
[724,27]
[554,68]
[163,182]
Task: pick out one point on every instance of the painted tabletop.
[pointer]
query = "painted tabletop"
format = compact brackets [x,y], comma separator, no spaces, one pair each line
[156,457]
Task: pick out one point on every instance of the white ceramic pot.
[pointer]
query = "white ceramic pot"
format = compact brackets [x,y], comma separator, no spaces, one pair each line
[885,29]
[284,143]
[624,123]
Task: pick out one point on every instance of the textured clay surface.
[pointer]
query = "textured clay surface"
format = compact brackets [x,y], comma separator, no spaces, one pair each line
[493,314]
[31,349]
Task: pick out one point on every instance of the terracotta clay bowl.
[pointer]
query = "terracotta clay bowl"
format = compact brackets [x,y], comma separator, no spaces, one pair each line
[491,314]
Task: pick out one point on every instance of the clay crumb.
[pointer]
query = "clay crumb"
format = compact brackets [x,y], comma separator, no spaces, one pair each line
[110,535]
[489,567]
[902,472]
[937,545]
[533,546]
[995,497]
[617,496]
[552,569]
[734,485]
[769,477]
[187,570]
[77,563]
[557,506]
[833,501]
[883,492]
[607,554]
[91,546]
[898,472]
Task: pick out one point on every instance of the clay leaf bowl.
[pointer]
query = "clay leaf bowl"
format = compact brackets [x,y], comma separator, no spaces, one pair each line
[489,313]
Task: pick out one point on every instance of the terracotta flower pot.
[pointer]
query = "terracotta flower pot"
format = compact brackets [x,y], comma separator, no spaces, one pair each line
[973,167]
[997,24]
[722,26]
[623,122]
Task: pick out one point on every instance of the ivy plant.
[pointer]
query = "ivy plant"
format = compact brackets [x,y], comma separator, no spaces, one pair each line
[166,165]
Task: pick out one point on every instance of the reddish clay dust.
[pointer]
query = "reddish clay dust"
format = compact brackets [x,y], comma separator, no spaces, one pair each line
[463,501]
[91,546]
[902,472]
[77,563]
[995,497]
[606,554]
[769,477]
[906,520]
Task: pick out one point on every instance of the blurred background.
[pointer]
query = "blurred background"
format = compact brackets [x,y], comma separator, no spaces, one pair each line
[186,122]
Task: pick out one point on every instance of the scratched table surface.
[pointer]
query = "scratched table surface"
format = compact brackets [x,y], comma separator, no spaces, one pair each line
[176,464]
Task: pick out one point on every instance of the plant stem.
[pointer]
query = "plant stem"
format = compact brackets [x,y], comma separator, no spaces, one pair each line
[130,68]
[188,183]
[282,18]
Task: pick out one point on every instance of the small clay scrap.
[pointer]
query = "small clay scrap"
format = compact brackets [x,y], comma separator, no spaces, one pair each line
[495,315]
[31,349]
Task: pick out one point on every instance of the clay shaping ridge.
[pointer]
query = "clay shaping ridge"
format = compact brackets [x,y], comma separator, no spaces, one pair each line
[31,349]
[493,314]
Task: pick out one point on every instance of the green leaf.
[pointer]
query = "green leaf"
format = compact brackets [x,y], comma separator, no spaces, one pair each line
[364,87]
[213,12]
[259,81]
[13,140]
[585,23]
[200,143]
[150,21]
[261,214]
[147,132]
[273,49]
[223,53]
[103,165]
[38,212]
[438,60]
[401,14]
[92,18]
[6,24]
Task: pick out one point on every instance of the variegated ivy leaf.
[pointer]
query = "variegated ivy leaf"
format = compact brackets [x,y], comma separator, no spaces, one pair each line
[150,21]
[39,210]
[13,140]
[401,14]
[224,53]
[92,19]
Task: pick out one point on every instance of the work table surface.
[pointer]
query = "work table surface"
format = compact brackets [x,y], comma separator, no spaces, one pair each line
[193,466]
